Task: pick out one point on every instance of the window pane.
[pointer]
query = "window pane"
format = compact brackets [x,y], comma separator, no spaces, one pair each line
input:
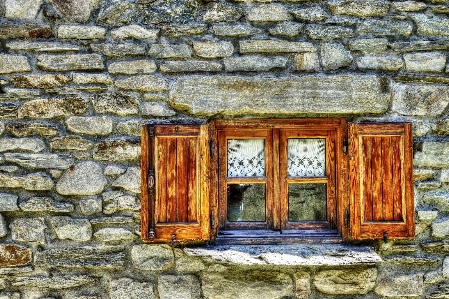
[246,202]
[306,157]
[246,158]
[306,202]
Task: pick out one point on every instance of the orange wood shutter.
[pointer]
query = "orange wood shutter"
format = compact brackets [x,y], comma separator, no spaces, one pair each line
[175,205]
[381,181]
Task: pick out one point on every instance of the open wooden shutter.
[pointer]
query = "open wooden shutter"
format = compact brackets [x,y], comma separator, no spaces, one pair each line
[174,166]
[381,181]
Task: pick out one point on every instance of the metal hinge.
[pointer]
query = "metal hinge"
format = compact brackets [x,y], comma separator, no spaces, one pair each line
[347,219]
[212,220]
[345,146]
[151,234]
[173,240]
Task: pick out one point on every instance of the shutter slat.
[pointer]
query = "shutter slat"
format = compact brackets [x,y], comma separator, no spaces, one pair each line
[397,180]
[172,189]
[161,182]
[376,178]
[181,177]
[366,176]
[387,175]
[192,192]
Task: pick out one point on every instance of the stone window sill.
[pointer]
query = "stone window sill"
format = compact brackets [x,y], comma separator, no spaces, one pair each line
[304,255]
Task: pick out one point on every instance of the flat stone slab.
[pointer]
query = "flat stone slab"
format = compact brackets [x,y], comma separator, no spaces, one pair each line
[289,255]
[308,95]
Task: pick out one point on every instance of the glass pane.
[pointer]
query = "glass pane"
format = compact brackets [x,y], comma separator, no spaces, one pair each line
[246,202]
[306,202]
[246,158]
[307,157]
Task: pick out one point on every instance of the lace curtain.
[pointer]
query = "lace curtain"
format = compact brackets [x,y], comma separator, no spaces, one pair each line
[246,158]
[307,157]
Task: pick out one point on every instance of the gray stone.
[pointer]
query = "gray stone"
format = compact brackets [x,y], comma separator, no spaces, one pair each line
[32,181]
[178,12]
[81,32]
[129,181]
[9,168]
[91,125]
[359,8]
[40,81]
[119,50]
[274,46]
[222,13]
[114,220]
[134,31]
[91,205]
[420,99]
[420,46]
[116,13]
[14,64]
[85,78]
[346,282]
[125,149]
[41,46]
[267,13]
[131,127]
[302,282]
[440,229]
[3,227]
[335,56]
[8,202]
[114,234]
[27,129]
[408,6]
[423,174]
[239,30]
[52,108]
[13,255]
[442,127]
[304,95]
[2,128]
[187,264]
[157,109]
[433,155]
[117,201]
[77,11]
[249,284]
[45,204]
[117,102]
[115,170]
[102,257]
[327,32]
[31,30]
[444,176]
[369,45]
[76,62]
[254,63]
[132,67]
[392,28]
[398,286]
[28,230]
[179,286]
[183,30]
[425,62]
[67,228]
[446,267]
[385,63]
[19,94]
[22,144]
[310,14]
[170,51]
[85,178]
[286,29]
[128,288]
[213,49]
[187,66]
[10,296]
[8,110]
[70,143]
[56,282]
[431,26]
[152,257]
[308,61]
[427,217]
[40,161]
[22,9]
[143,83]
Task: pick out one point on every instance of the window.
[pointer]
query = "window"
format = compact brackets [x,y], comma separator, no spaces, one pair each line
[275,181]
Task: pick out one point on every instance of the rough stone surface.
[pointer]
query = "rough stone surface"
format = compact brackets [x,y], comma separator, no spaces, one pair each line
[308,61]
[170,51]
[143,83]
[67,228]
[13,64]
[41,46]
[3,227]
[70,143]
[40,161]
[183,30]
[86,78]
[117,201]
[440,229]
[409,6]
[446,267]
[129,181]
[117,150]
[91,205]
[152,257]
[325,32]
[114,234]
[434,26]
[117,103]
[179,286]
[311,14]
[271,46]
[33,181]
[286,29]
[239,30]
[31,30]
[187,66]
[157,109]
[22,9]
[22,144]
[387,63]
[93,125]
[369,45]
[45,204]
[359,8]
[27,129]
[346,282]
[64,63]
[119,50]
[213,49]
[36,81]
[115,13]
[52,108]
[420,99]
[425,62]
[13,255]
[85,178]
[222,13]
[385,28]
[56,282]
[267,13]
[254,63]
[266,285]
[132,67]
[127,288]
[410,286]
[81,32]
[28,230]
[335,56]
[134,31]
[8,202]
[302,282]
[432,155]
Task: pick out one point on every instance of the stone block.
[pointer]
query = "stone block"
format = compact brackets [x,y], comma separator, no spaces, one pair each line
[346,282]
[33,145]
[128,288]
[222,13]
[427,217]
[129,181]
[369,45]
[40,81]
[306,95]
[328,32]
[3,227]
[8,202]
[91,205]
[401,286]
[53,107]
[70,143]
[274,46]
[28,230]
[423,174]
[77,11]
[307,61]
[115,170]
[33,181]
[179,286]
[56,282]
[145,83]
[132,67]
[267,13]
[40,161]
[152,257]
[81,32]
[311,14]
[136,32]
[67,228]
[85,178]
[22,9]
[26,45]
[213,49]
[45,204]
[13,255]
[14,64]
[359,8]
[86,78]
[75,62]
[440,229]
[114,220]
[157,109]
[434,62]
[419,46]
[116,13]
[117,201]
[9,295]
[409,6]
[239,30]
[438,199]
[131,127]
[27,129]
[90,125]
[188,66]
[335,56]
[302,283]
[254,63]
[390,63]
[434,26]
[183,30]
[8,110]
[392,28]
[420,99]
[446,267]
[125,149]
[119,103]
[114,234]
[119,50]
[31,30]
[170,51]
[286,29]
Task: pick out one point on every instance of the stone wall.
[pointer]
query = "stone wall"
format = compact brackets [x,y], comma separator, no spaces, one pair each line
[79,77]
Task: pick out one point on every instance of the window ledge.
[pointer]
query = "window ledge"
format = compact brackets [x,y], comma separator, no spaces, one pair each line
[289,255]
